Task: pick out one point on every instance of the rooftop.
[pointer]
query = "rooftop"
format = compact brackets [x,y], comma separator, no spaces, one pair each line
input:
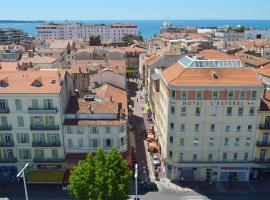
[38,60]
[213,54]
[31,82]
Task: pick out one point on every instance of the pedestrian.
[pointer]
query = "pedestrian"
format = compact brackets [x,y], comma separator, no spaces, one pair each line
[137,100]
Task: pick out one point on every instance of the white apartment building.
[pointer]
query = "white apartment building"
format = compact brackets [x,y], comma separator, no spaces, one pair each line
[93,122]
[206,118]
[256,33]
[109,33]
[32,105]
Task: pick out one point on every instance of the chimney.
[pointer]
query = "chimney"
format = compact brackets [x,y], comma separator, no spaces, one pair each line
[111,99]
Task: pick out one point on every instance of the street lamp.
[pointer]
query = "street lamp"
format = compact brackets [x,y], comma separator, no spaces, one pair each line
[21,174]
[136,177]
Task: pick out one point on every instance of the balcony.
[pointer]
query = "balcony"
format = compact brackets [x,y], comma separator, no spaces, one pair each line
[46,144]
[6,110]
[263,144]
[210,161]
[264,126]
[6,144]
[262,161]
[48,160]
[8,160]
[5,127]
[44,127]
[42,110]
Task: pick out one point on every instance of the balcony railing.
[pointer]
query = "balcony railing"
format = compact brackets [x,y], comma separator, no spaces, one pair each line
[44,127]
[211,161]
[46,144]
[48,160]
[8,160]
[6,144]
[42,110]
[6,110]
[263,144]
[5,127]
[264,126]
[262,161]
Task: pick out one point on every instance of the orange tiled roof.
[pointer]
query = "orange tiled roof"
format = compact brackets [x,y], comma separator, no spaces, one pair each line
[21,82]
[8,66]
[179,76]
[251,59]
[265,70]
[215,55]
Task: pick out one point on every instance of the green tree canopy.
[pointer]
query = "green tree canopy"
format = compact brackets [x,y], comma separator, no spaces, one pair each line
[105,176]
[94,40]
[129,39]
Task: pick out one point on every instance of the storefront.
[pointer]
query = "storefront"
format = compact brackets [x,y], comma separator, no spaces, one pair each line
[260,173]
[7,172]
[234,174]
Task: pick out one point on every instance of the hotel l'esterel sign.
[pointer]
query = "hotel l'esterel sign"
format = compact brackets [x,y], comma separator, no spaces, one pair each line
[216,103]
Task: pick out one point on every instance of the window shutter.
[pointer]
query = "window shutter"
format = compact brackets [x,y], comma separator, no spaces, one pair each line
[18,138]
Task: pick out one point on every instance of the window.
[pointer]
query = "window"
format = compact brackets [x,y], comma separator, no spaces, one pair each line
[227,128]
[182,141]
[80,130]
[199,95]
[123,140]
[210,156]
[237,141]
[95,129]
[253,95]
[248,141]
[211,142]
[224,156]
[34,103]
[249,127]
[196,142]
[3,105]
[213,110]
[70,143]
[172,110]
[230,95]
[194,157]
[25,154]
[182,127]
[240,111]
[172,125]
[242,95]
[22,138]
[122,128]
[251,111]
[226,141]
[214,95]
[80,142]
[173,94]
[197,128]
[212,127]
[108,142]
[183,95]
[229,111]
[171,139]
[54,153]
[183,111]
[69,129]
[48,103]
[181,156]
[238,128]
[20,121]
[246,156]
[235,155]
[18,105]
[170,154]
[197,111]
[108,129]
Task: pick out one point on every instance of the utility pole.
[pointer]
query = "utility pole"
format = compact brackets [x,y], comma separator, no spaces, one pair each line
[21,174]
[136,177]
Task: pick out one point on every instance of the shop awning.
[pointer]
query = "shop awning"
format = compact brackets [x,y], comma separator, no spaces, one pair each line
[45,176]
[75,158]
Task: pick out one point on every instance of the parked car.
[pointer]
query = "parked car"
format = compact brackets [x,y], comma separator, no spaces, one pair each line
[148,186]
[156,160]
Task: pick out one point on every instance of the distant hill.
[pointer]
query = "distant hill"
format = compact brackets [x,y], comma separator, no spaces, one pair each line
[21,21]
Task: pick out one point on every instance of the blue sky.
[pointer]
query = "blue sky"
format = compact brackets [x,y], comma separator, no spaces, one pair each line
[134,9]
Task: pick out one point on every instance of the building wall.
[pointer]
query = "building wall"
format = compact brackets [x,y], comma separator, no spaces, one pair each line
[255,33]
[204,134]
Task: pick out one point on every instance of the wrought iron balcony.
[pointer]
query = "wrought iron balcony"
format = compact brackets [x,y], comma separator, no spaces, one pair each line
[44,127]
[42,110]
[263,144]
[48,160]
[46,144]
[5,127]
[264,126]
[8,160]
[6,144]
[6,110]
[262,161]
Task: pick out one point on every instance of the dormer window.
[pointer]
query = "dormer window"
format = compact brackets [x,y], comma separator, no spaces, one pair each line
[36,83]
[3,84]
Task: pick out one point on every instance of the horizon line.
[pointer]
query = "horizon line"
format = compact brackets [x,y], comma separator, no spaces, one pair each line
[133,19]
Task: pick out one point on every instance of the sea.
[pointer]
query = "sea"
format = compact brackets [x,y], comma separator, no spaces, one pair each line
[148,28]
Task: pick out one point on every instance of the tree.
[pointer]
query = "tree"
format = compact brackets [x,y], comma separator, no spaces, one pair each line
[129,39]
[94,40]
[68,48]
[105,176]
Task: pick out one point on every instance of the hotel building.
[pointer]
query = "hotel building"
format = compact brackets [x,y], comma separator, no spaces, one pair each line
[206,119]
[108,33]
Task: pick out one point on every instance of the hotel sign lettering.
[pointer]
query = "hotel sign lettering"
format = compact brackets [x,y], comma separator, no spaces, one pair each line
[215,103]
